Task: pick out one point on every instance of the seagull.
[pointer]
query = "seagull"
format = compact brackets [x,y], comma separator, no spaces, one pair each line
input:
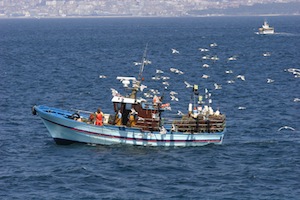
[292,70]
[297,100]
[173,69]
[267,54]
[156,78]
[206,57]
[205,76]
[114,92]
[162,130]
[228,71]
[214,58]
[174,51]
[203,49]
[286,127]
[173,98]
[205,65]
[230,81]
[217,87]
[137,63]
[165,83]
[142,87]
[140,118]
[297,75]
[179,72]
[173,93]
[241,77]
[165,78]
[270,80]
[187,84]
[232,58]
[179,113]
[242,108]
[213,45]
[146,62]
[102,76]
[158,71]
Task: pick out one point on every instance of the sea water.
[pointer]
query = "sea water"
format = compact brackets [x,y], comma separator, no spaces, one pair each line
[59,62]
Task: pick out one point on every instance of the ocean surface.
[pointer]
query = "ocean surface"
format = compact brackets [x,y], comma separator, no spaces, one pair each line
[58,62]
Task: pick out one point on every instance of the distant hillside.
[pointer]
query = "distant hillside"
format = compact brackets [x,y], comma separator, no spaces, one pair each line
[257,9]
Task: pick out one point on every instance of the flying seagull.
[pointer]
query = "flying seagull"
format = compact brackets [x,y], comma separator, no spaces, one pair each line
[179,113]
[270,80]
[187,84]
[242,77]
[173,98]
[173,93]
[158,71]
[174,51]
[286,127]
[205,76]
[217,86]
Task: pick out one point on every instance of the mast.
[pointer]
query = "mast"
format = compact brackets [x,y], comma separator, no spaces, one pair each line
[140,78]
[144,62]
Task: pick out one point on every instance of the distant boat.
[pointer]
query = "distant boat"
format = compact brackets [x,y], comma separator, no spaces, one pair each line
[266,29]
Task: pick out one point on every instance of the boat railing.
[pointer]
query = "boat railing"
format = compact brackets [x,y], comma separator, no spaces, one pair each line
[186,124]
[200,124]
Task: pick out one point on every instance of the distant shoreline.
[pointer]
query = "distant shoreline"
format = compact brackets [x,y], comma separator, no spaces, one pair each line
[122,16]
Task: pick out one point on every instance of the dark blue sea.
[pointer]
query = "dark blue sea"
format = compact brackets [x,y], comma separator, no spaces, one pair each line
[57,62]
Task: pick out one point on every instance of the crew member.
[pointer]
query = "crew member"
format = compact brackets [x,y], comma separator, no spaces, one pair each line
[132,118]
[118,120]
[99,117]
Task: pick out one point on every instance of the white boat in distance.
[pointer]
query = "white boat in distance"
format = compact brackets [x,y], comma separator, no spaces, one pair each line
[148,127]
[266,29]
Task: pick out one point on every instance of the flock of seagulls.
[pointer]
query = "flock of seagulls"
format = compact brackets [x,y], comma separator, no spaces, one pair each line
[216,86]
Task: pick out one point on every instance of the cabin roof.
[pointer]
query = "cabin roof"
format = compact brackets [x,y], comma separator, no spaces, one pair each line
[117,99]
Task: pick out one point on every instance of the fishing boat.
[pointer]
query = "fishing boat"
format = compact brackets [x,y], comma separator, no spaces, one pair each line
[266,29]
[137,121]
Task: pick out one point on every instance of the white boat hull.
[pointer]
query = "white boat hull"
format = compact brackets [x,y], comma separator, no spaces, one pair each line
[266,32]
[64,131]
